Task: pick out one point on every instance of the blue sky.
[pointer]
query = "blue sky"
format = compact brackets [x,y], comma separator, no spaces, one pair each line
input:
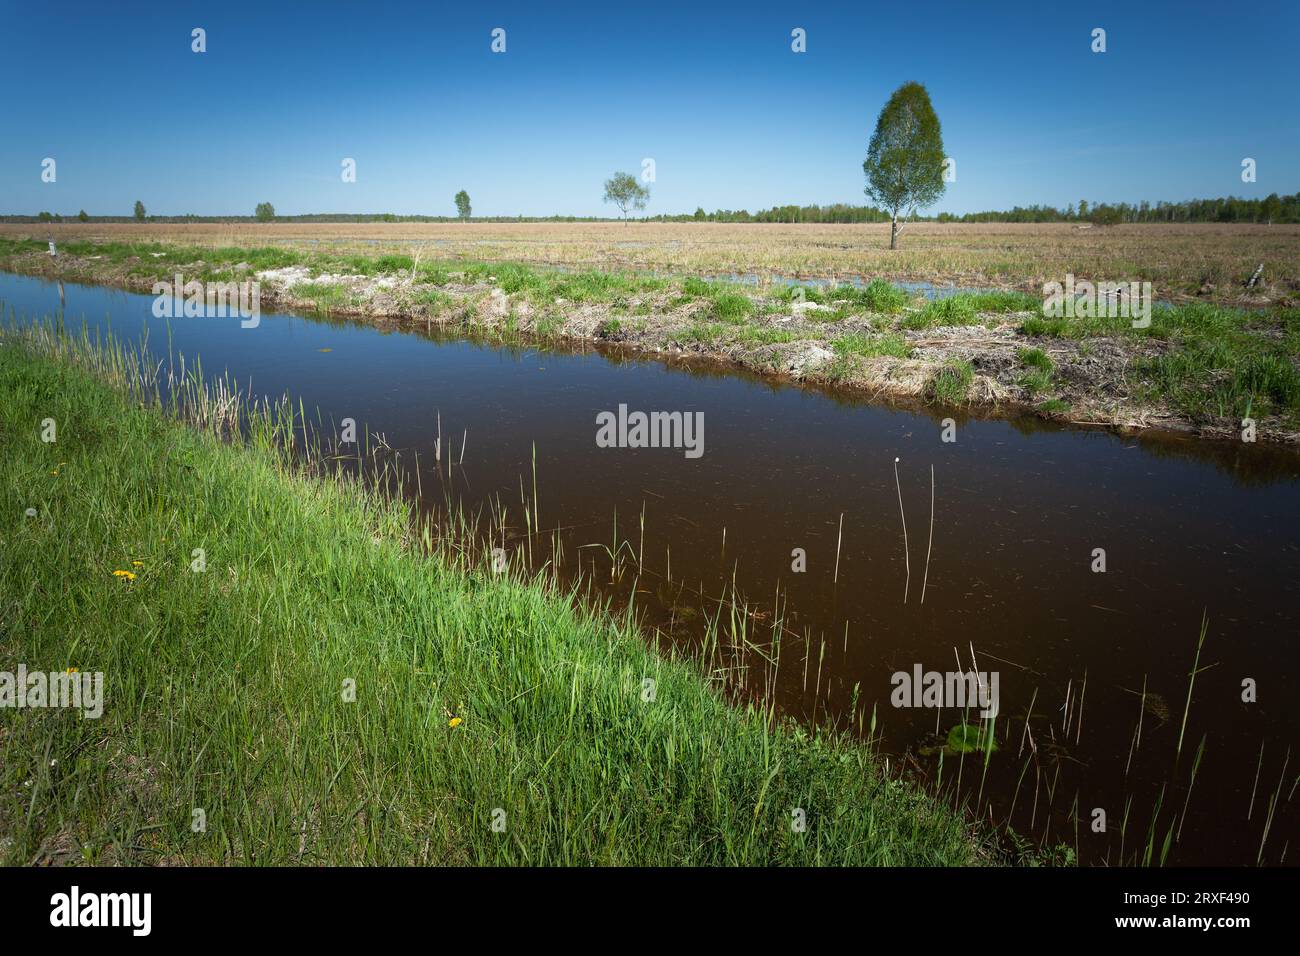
[712,92]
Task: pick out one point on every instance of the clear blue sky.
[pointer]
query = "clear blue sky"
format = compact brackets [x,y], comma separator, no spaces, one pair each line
[712,92]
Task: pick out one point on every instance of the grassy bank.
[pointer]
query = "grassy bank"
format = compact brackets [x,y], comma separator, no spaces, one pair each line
[1197,367]
[478,697]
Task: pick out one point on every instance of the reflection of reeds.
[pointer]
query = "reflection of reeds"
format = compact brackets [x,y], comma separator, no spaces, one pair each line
[838,541]
[1272,805]
[1136,742]
[1196,765]
[1200,642]
[930,544]
[1259,765]
[906,558]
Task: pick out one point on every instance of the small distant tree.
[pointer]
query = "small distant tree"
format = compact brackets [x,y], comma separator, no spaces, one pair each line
[462,204]
[626,193]
[1271,207]
[904,164]
[700,214]
[82,217]
[264,212]
[139,211]
[1083,209]
[1104,215]
[45,216]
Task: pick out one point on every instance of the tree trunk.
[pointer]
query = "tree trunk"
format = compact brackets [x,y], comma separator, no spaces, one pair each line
[893,232]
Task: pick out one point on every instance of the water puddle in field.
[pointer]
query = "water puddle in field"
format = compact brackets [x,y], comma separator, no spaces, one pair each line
[1020,507]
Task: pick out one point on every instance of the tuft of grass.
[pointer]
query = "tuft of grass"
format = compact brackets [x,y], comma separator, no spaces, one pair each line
[323,295]
[1038,377]
[870,346]
[950,383]
[433,299]
[1036,358]
[881,296]
[695,286]
[878,296]
[433,274]
[732,307]
[705,332]
[954,310]
[1001,301]
[764,335]
[1043,327]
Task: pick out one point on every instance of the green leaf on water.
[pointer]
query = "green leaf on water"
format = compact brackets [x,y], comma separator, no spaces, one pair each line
[969,738]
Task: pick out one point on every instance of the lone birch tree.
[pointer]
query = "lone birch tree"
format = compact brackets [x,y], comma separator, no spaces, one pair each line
[625,192]
[905,161]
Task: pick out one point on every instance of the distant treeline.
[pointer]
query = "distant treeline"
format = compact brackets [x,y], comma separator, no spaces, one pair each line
[1272,208]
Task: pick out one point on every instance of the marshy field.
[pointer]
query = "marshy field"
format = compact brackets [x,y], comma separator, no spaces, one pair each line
[1202,260]
[467,633]
[1218,347]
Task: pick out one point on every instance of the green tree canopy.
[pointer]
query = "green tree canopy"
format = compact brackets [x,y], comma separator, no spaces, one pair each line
[462,204]
[904,164]
[264,212]
[623,190]
[139,211]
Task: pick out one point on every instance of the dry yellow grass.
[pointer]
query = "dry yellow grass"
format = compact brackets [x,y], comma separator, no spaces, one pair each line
[1180,260]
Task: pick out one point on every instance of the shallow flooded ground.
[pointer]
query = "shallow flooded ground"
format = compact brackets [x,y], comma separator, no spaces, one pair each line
[1092,667]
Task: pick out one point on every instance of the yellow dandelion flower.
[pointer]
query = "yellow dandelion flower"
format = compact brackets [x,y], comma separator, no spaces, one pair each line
[137,564]
[71,670]
[130,576]
[454,722]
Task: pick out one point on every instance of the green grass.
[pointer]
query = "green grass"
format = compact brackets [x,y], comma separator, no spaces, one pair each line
[1077,327]
[726,303]
[1001,301]
[732,307]
[873,345]
[433,299]
[969,308]
[764,335]
[705,332]
[949,385]
[1039,368]
[224,689]
[1216,378]
[1036,358]
[878,296]
[1224,362]
[954,310]
[433,274]
[1215,363]
[323,295]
